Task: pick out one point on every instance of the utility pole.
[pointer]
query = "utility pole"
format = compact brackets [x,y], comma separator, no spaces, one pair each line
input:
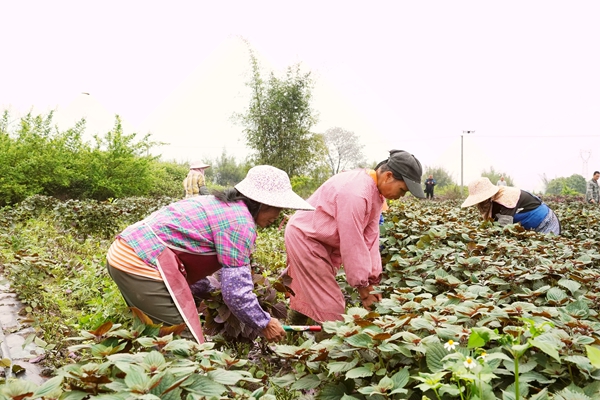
[585,156]
[462,190]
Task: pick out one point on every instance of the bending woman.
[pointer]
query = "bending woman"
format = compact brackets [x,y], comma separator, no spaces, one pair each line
[159,263]
[344,228]
[511,205]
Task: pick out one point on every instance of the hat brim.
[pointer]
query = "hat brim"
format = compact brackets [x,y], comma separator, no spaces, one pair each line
[283,199]
[473,199]
[199,166]
[415,188]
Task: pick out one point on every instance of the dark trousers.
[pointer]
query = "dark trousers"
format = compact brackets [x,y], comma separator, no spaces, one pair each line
[149,295]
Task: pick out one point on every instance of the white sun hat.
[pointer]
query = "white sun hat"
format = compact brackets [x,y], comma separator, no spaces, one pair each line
[198,165]
[479,190]
[271,186]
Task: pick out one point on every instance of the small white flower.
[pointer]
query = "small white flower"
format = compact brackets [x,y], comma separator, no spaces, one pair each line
[482,356]
[469,363]
[450,345]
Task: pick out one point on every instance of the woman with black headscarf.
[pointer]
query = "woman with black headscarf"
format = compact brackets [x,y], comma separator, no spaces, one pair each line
[344,229]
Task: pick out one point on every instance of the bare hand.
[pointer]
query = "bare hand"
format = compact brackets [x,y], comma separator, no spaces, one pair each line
[274,332]
[368,298]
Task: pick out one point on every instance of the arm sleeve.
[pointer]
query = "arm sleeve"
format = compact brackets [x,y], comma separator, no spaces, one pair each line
[359,239]
[234,246]
[588,192]
[375,275]
[237,290]
[204,190]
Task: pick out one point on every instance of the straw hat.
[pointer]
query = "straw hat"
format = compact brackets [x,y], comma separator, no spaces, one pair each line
[479,190]
[198,165]
[271,186]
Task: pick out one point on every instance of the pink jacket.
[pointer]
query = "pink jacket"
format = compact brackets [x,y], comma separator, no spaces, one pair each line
[346,222]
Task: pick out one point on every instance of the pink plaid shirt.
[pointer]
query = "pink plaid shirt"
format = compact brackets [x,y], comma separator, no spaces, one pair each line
[198,225]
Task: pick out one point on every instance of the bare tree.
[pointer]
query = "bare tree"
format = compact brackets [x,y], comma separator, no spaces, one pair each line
[343,149]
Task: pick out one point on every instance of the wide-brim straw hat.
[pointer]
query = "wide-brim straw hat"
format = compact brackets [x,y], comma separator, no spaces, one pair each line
[271,186]
[479,190]
[198,165]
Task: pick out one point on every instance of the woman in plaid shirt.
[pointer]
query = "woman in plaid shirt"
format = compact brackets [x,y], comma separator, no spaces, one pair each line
[159,263]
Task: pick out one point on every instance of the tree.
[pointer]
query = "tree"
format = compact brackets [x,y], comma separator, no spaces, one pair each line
[120,164]
[494,176]
[572,185]
[37,158]
[226,171]
[279,118]
[441,175]
[343,149]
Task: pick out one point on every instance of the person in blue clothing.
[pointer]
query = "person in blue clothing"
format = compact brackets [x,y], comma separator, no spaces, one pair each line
[429,185]
[509,205]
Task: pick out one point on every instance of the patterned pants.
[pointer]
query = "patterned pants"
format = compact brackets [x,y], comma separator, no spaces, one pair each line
[550,224]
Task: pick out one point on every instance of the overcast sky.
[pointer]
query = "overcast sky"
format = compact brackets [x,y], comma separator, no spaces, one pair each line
[524,75]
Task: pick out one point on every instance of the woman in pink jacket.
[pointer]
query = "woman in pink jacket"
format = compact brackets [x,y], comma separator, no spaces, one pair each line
[344,230]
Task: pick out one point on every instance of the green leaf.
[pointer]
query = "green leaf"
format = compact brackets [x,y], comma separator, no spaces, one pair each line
[546,346]
[569,284]
[204,386]
[169,387]
[155,359]
[333,392]
[76,395]
[435,353]
[585,259]
[339,366]
[474,260]
[307,382]
[48,387]
[475,340]
[578,309]
[136,378]
[542,395]
[359,372]
[361,340]
[582,362]
[451,390]
[509,392]
[421,323]
[225,377]
[385,384]
[284,381]
[556,295]
[400,378]
[593,354]
[592,389]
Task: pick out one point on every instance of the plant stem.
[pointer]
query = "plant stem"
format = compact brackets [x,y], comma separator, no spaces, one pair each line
[460,389]
[517,393]
[570,372]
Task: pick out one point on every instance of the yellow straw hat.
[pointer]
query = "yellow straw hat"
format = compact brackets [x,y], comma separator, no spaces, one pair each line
[479,190]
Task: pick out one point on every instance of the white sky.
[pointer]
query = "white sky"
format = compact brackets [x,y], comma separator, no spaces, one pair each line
[524,75]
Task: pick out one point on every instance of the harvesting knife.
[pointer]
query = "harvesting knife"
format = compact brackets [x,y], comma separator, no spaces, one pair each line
[302,328]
